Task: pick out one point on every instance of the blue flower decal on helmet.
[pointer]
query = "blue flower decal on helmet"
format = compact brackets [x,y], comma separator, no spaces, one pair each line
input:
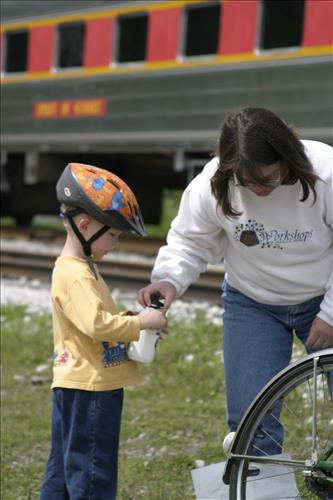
[117,201]
[98,183]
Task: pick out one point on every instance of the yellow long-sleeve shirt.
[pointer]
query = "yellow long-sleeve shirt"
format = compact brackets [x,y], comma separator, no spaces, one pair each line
[90,335]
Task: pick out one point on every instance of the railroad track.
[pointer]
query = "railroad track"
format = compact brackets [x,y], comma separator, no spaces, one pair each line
[119,272]
[145,246]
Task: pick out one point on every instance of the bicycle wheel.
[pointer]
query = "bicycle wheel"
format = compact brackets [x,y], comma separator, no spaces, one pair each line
[299,399]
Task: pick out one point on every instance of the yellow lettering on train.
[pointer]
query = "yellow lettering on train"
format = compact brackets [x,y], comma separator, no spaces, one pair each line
[93,107]
[46,109]
[69,108]
[65,108]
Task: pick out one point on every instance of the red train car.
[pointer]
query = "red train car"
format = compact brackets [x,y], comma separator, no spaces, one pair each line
[141,87]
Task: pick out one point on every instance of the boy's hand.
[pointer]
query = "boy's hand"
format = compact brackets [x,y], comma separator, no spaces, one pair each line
[154,320]
[321,334]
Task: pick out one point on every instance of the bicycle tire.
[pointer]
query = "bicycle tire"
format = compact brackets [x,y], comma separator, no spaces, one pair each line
[276,391]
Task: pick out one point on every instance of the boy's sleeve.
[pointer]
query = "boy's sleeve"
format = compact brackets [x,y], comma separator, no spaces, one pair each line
[86,310]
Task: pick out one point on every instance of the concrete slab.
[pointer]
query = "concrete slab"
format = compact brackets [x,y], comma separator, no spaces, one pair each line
[273,482]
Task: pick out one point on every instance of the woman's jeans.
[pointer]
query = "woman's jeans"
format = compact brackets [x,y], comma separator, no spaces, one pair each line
[83,463]
[257,344]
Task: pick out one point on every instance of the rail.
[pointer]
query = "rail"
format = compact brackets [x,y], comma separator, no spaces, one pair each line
[146,246]
[123,272]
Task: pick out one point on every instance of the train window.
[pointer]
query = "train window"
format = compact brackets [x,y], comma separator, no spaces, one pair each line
[70,45]
[132,38]
[282,23]
[202,29]
[16,51]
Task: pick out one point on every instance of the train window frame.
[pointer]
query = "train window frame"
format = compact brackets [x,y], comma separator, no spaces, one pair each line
[260,34]
[5,51]
[56,58]
[184,30]
[117,34]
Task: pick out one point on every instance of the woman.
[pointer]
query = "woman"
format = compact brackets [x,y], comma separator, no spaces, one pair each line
[264,204]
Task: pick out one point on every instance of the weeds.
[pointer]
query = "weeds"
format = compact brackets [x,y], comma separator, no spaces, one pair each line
[176,416]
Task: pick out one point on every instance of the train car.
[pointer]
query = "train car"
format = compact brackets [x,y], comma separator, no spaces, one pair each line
[141,87]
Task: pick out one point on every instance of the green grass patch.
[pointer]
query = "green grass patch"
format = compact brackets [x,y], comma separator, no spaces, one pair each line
[26,344]
[176,416]
[7,222]
[170,205]
[52,222]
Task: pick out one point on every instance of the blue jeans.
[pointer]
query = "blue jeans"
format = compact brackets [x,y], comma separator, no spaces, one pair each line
[83,462]
[257,344]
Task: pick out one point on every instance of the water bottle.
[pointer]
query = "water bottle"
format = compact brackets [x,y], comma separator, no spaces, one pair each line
[143,350]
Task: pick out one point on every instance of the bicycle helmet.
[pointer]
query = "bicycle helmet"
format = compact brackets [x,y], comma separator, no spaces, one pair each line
[102,195]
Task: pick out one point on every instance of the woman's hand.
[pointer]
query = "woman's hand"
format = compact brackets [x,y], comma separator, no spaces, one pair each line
[157,290]
[321,334]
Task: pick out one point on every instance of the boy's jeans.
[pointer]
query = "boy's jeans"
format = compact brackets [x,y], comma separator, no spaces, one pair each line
[84,451]
[257,344]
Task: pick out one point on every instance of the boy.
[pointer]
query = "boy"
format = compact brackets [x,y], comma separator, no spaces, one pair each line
[91,366]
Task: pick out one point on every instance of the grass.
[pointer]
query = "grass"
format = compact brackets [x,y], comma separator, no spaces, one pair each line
[173,418]
[26,343]
[170,204]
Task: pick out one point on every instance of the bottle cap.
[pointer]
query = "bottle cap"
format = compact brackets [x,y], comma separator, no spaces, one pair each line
[156,304]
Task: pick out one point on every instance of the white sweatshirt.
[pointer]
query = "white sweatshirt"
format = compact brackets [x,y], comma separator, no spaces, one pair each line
[279,251]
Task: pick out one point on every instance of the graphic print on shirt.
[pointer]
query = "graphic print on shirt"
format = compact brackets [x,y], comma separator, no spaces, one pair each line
[114,356]
[61,359]
[254,233]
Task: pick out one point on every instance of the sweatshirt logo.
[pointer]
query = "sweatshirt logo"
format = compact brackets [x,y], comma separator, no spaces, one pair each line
[254,233]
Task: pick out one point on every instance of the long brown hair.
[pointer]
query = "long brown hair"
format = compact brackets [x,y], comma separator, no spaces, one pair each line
[253,138]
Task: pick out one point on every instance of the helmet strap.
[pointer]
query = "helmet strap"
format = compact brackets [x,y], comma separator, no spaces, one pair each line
[86,244]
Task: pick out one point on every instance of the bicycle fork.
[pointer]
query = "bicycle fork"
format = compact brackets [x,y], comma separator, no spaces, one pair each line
[318,469]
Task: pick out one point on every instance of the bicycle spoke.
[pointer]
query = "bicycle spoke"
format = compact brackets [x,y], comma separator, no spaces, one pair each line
[272,438]
[270,460]
[270,477]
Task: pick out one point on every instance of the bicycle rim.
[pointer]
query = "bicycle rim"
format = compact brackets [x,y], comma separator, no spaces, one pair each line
[293,392]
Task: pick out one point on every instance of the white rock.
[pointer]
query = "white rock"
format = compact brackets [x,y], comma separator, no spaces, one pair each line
[199,463]
[42,368]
